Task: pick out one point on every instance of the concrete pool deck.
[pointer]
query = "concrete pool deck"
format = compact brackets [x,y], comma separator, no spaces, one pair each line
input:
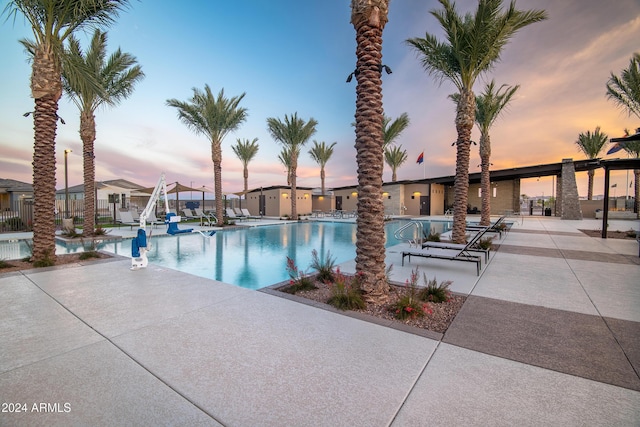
[550,335]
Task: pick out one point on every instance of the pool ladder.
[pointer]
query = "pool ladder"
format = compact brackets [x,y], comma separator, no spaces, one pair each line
[417,234]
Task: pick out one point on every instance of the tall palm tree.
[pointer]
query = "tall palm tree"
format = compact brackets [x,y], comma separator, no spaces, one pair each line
[591,145]
[393,129]
[624,90]
[321,153]
[489,106]
[52,22]
[395,157]
[116,78]
[215,118]
[285,159]
[245,151]
[369,19]
[473,45]
[293,133]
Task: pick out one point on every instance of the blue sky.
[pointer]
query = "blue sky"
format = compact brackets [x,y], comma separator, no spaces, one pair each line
[294,56]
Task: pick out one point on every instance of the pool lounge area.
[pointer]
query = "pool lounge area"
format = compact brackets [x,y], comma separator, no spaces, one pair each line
[552,322]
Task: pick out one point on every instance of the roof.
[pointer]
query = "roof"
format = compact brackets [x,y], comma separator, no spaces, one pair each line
[13,186]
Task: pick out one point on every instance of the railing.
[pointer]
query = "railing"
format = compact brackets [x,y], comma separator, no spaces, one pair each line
[416,227]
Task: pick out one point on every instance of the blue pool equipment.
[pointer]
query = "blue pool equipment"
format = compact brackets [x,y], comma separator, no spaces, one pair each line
[139,250]
[173,220]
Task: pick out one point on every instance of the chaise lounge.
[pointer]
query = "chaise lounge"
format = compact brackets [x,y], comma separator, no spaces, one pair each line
[471,246]
[450,254]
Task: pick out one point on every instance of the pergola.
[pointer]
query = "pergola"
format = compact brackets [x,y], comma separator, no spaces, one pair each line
[616,164]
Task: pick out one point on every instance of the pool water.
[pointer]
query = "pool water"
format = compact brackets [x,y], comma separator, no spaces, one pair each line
[252,257]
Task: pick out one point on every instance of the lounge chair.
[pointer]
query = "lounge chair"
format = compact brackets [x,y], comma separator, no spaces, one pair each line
[247,214]
[470,246]
[495,227]
[188,214]
[126,218]
[450,254]
[205,218]
[232,214]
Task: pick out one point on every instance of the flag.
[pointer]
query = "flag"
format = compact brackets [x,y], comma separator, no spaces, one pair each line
[617,147]
[420,158]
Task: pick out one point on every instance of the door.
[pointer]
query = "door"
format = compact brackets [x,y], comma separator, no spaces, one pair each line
[425,205]
[338,203]
[262,204]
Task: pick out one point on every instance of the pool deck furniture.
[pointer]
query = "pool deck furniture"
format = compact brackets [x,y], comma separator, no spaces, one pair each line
[470,246]
[248,215]
[231,214]
[449,254]
[126,218]
[495,227]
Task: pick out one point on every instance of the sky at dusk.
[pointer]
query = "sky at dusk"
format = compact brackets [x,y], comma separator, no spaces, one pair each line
[294,56]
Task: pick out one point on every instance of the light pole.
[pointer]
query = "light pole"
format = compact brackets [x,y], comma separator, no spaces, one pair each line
[66,184]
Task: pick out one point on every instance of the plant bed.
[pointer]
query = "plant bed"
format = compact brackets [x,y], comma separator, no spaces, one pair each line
[437,319]
[7,266]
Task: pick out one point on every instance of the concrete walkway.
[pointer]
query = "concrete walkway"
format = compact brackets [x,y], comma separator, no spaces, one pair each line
[550,335]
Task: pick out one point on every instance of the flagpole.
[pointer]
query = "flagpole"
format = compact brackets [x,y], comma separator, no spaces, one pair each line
[424,169]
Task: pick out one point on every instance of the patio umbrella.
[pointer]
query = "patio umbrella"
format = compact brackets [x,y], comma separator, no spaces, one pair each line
[177,189]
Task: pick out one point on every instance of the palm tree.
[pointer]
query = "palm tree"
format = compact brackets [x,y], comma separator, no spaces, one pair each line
[321,153]
[293,133]
[52,22]
[474,44]
[624,90]
[245,151]
[368,19]
[215,118]
[395,157]
[285,159]
[116,79]
[392,130]
[591,144]
[489,105]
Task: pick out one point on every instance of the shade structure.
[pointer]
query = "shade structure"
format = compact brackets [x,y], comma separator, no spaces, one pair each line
[177,189]
[619,143]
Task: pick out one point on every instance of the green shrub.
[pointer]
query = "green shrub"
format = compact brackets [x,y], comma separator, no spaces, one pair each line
[298,281]
[14,224]
[434,292]
[346,293]
[323,265]
[89,254]
[485,243]
[433,236]
[46,261]
[5,264]
[100,231]
[410,305]
[632,233]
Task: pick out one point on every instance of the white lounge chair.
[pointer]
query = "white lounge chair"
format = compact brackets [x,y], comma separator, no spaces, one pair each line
[232,214]
[247,214]
[126,218]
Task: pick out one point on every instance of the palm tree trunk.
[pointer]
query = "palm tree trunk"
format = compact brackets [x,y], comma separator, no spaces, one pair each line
[216,157]
[394,176]
[465,117]
[246,179]
[46,89]
[485,179]
[369,21]
[322,176]
[294,168]
[88,136]
[590,174]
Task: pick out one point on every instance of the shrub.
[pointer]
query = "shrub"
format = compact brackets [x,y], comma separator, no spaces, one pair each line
[5,264]
[434,292]
[346,293]
[485,243]
[71,234]
[323,265]
[410,305]
[433,236]
[46,261]
[89,254]
[298,281]
[100,231]
[632,233]
[14,224]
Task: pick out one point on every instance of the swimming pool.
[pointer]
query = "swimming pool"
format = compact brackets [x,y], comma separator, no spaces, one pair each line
[252,257]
